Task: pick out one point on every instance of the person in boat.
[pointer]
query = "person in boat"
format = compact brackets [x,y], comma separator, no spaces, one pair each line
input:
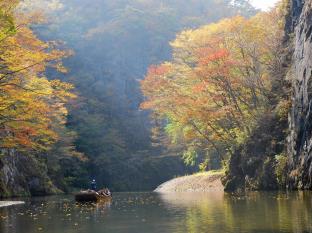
[108,192]
[93,185]
[105,192]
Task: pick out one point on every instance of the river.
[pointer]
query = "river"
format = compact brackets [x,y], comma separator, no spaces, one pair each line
[213,212]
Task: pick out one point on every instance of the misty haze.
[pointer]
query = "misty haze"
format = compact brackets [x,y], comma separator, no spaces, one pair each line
[144,116]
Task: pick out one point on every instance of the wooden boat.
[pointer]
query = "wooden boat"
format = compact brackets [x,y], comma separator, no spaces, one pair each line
[93,196]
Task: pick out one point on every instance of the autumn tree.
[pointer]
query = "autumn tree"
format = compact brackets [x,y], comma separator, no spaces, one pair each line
[32,108]
[218,84]
[114,43]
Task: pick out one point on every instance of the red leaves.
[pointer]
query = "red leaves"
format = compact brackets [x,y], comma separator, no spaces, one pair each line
[158,70]
[208,55]
[200,87]
[155,84]
[215,85]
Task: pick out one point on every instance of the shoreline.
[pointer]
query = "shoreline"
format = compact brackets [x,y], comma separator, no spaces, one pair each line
[10,203]
[199,182]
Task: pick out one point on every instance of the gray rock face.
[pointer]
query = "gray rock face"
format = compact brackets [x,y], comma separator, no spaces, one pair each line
[23,175]
[252,165]
[255,169]
[299,25]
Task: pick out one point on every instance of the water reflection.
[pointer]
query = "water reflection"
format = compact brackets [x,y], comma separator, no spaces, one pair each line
[254,212]
[50,215]
[164,213]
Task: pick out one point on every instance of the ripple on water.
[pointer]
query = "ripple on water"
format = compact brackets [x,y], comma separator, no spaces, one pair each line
[166,213]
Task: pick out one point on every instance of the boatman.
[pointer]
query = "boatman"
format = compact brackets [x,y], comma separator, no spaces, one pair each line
[93,185]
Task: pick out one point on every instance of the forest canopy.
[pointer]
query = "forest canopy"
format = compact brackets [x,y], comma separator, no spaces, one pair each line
[84,121]
[114,44]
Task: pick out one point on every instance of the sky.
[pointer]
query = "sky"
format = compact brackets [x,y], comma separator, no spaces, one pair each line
[263,4]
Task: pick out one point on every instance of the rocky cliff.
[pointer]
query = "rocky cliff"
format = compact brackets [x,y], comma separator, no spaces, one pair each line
[23,175]
[253,166]
[299,27]
[263,162]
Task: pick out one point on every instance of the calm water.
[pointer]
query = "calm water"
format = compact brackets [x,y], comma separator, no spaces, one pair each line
[155,213]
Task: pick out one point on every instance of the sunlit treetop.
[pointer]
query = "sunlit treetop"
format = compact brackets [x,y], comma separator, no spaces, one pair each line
[217,84]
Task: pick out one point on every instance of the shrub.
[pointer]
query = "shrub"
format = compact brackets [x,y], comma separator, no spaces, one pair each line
[281,168]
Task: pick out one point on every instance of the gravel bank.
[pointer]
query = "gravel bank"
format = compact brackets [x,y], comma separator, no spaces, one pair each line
[201,182]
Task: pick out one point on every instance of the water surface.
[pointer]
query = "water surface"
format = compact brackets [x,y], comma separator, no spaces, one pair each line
[161,213]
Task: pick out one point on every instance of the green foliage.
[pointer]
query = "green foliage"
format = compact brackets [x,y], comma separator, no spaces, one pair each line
[190,156]
[283,108]
[204,165]
[7,23]
[281,168]
[114,43]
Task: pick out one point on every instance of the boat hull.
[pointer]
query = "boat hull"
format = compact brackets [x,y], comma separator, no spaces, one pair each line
[91,196]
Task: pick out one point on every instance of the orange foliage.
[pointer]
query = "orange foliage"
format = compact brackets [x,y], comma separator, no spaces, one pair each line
[31,107]
[217,84]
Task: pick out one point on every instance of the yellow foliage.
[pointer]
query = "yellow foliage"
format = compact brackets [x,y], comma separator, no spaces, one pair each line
[31,107]
[217,84]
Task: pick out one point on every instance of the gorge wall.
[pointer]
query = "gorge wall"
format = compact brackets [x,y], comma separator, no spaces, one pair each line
[299,27]
[23,175]
[278,155]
